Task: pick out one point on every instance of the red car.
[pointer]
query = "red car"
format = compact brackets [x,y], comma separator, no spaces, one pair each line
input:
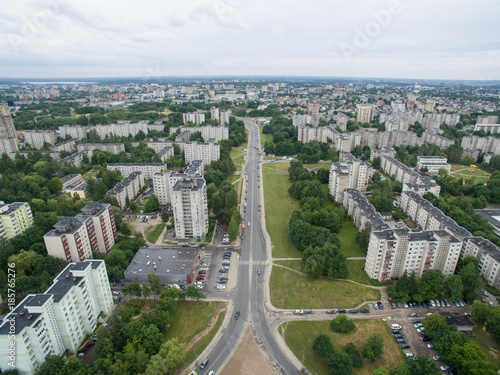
[393,305]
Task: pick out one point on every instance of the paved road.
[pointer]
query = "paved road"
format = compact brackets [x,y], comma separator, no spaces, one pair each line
[248,298]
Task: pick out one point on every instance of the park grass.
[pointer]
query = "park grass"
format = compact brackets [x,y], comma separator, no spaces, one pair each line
[211,227]
[348,243]
[357,273]
[279,206]
[152,233]
[466,172]
[264,137]
[290,290]
[120,240]
[233,178]
[292,264]
[238,155]
[299,337]
[487,343]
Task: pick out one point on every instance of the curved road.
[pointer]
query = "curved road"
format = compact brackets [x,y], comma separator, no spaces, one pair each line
[249,296]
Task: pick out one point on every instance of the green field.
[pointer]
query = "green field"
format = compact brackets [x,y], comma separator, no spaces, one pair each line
[190,319]
[238,155]
[211,226]
[487,343]
[290,290]
[279,207]
[152,233]
[348,243]
[299,337]
[264,137]
[467,172]
[121,240]
[295,265]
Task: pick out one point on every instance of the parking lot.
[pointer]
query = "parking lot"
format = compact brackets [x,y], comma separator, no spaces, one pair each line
[213,262]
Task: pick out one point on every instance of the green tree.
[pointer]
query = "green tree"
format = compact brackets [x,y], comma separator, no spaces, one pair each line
[151,204]
[322,346]
[374,348]
[155,284]
[164,216]
[342,324]
[340,364]
[381,371]
[432,323]
[363,237]
[470,359]
[480,311]
[51,366]
[234,225]
[423,366]
[132,289]
[431,284]
[171,356]
[453,287]
[352,350]
[471,280]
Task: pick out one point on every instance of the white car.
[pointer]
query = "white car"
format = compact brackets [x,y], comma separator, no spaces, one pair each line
[430,346]
[248,223]
[116,293]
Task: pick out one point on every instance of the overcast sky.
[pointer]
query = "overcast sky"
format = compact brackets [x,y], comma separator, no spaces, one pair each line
[444,39]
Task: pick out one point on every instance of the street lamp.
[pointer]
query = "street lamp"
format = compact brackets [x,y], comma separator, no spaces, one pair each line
[195,356]
[302,358]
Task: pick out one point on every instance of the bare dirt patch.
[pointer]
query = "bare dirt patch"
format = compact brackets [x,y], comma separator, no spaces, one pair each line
[199,336]
[248,359]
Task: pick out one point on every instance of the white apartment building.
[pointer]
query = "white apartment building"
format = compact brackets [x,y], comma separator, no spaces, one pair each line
[76,238]
[147,169]
[37,138]
[487,128]
[68,145]
[361,211]
[164,182]
[433,163]
[438,140]
[189,203]
[224,117]
[349,172]
[8,146]
[71,180]
[114,148]
[129,188]
[76,159]
[487,119]
[207,132]
[58,320]
[483,144]
[74,131]
[488,255]
[323,134]
[206,152]
[196,118]
[215,113]
[392,252]
[364,113]
[15,218]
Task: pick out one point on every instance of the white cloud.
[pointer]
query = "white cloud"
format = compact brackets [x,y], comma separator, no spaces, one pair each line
[391,38]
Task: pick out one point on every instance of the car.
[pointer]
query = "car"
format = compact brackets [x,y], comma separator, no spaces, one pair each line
[398,336]
[405,305]
[399,305]
[242,237]
[409,355]
[467,314]
[425,338]
[404,346]
[430,346]
[83,350]
[204,364]
[90,343]
[259,271]
[353,311]
[81,355]
[395,326]
[437,358]
[375,306]
[445,368]
[436,302]
[467,302]
[342,311]
[415,321]
[461,304]
[298,312]
[223,270]
[393,305]
[237,315]
[116,293]
[401,341]
[229,248]
[485,293]
[364,311]
[414,314]
[420,329]
[309,312]
[380,306]
[396,331]
[105,325]
[212,372]
[331,311]
[222,281]
[483,300]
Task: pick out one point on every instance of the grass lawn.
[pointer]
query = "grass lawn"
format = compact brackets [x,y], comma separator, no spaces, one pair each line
[211,226]
[190,319]
[264,137]
[279,207]
[348,243]
[290,290]
[487,343]
[238,155]
[293,264]
[233,178]
[300,335]
[152,233]
[466,172]
[121,240]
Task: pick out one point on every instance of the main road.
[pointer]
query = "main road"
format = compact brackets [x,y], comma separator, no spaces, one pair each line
[249,296]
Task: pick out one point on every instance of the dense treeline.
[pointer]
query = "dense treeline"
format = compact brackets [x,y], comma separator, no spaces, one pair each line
[312,229]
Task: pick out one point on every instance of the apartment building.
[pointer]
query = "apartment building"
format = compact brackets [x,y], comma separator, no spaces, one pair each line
[195,118]
[482,119]
[76,159]
[341,121]
[487,128]
[58,320]
[88,148]
[383,151]
[433,164]
[306,119]
[74,131]
[313,109]
[8,133]
[364,113]
[68,145]
[224,117]
[215,113]
[76,238]
[307,134]
[147,169]
[15,218]
[207,132]
[128,188]
[438,140]
[361,211]
[349,172]
[164,182]
[488,255]
[392,252]
[473,153]
[189,203]
[483,144]
[71,180]
[204,151]
[37,138]
[8,146]
[428,217]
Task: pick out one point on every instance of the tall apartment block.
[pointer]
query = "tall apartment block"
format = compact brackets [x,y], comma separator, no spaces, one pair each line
[224,117]
[164,182]
[15,218]
[361,211]
[37,138]
[307,134]
[76,238]
[364,113]
[196,118]
[204,151]
[313,109]
[189,203]
[129,187]
[7,132]
[58,320]
[214,113]
[392,252]
[349,172]
[74,131]
[488,255]
[207,132]
[482,119]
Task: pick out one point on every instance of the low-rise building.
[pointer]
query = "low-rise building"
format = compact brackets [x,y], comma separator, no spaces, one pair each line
[433,164]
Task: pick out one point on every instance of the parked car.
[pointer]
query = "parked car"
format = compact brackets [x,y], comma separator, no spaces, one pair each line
[204,364]
[404,346]
[342,311]
[414,315]
[430,346]
[353,311]
[237,315]
[364,311]
[331,311]
[380,306]
[309,312]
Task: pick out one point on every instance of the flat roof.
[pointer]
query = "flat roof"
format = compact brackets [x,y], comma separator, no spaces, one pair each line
[168,261]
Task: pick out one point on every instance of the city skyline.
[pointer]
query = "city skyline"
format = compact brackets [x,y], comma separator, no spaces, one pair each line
[383,39]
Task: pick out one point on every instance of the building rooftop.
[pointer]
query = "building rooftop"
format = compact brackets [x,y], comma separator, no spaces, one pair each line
[189,183]
[7,209]
[163,260]
[21,316]
[487,246]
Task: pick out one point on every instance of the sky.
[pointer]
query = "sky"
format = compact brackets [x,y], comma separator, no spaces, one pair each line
[419,39]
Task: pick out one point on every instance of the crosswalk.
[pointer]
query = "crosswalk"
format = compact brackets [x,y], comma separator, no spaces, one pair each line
[254,262]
